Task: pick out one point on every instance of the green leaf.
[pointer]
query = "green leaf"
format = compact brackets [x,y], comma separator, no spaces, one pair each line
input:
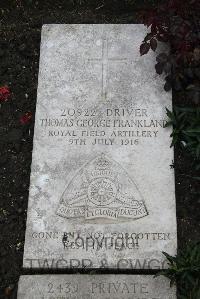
[170,114]
[174,140]
[170,258]
[168,124]
[184,270]
[195,130]
[196,178]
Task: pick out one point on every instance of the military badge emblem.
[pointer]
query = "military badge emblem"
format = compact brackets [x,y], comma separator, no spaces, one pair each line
[102,189]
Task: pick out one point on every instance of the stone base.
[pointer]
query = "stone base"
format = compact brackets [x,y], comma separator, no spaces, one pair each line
[78,286]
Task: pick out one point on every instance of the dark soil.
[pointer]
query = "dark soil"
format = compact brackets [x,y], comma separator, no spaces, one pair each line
[20,29]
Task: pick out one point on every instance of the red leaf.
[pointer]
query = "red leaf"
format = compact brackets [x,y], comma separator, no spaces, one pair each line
[167,86]
[144,48]
[153,44]
[4,93]
[159,68]
[154,29]
[162,58]
[148,37]
[162,38]
[26,118]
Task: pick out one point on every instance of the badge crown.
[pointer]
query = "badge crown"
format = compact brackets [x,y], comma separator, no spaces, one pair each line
[102,163]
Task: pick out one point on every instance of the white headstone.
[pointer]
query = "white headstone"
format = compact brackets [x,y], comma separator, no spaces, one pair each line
[94,287]
[102,190]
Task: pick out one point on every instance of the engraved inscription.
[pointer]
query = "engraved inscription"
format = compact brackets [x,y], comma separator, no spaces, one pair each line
[125,127]
[116,288]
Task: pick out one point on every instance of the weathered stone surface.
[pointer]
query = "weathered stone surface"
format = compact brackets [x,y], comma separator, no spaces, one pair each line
[102,190]
[94,286]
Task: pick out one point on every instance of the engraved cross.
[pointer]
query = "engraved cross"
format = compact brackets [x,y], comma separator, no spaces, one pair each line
[104,60]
